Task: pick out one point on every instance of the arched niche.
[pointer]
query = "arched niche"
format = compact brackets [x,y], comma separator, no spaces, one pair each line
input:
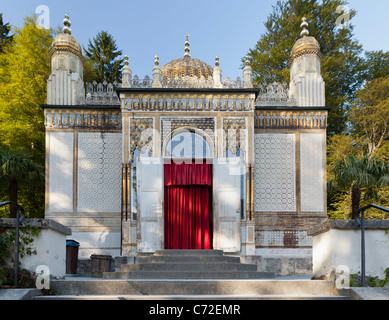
[188,143]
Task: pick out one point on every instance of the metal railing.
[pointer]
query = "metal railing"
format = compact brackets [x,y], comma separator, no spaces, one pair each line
[19,219]
[361,223]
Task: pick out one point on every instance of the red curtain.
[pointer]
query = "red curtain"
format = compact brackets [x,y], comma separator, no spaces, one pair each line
[188,174]
[187,205]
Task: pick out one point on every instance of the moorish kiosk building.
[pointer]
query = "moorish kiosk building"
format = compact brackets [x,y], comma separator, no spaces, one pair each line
[186,159]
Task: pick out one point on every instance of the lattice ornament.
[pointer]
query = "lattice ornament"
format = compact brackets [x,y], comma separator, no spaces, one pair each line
[141,136]
[234,135]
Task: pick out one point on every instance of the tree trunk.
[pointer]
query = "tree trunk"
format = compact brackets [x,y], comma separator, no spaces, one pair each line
[13,195]
[355,199]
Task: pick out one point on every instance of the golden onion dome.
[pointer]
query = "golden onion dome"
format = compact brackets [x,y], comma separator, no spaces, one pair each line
[187,66]
[65,41]
[305,45]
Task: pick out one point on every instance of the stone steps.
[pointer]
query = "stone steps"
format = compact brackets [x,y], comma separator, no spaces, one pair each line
[188,264]
[257,289]
[189,267]
[189,275]
[188,259]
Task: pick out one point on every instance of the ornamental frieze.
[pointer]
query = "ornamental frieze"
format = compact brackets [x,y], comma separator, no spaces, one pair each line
[188,102]
[107,119]
[290,119]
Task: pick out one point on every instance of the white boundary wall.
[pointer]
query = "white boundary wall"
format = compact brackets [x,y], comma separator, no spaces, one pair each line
[338,243]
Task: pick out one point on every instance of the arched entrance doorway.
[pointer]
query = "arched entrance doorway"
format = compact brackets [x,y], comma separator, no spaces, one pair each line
[188,190]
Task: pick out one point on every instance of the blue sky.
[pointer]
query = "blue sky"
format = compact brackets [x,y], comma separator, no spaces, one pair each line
[224,28]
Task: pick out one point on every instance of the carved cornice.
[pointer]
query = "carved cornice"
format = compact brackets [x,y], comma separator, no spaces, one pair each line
[109,119]
[188,102]
[265,119]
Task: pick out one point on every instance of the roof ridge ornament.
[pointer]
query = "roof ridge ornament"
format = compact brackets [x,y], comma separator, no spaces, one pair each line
[66,22]
[304,26]
[187,44]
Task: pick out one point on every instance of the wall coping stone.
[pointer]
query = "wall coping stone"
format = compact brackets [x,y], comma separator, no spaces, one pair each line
[37,223]
[346,225]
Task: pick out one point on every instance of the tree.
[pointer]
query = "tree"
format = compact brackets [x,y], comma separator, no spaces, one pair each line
[356,173]
[25,68]
[377,64]
[16,168]
[5,38]
[343,68]
[90,73]
[369,116]
[103,53]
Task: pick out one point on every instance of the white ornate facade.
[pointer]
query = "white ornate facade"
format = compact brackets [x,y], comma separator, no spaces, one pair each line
[107,145]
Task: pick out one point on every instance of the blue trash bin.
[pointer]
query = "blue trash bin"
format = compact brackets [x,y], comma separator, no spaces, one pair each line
[72,247]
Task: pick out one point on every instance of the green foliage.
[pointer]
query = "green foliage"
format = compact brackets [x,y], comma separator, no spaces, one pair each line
[343,68]
[26,278]
[377,64]
[25,68]
[355,280]
[102,54]
[369,116]
[7,254]
[368,134]
[17,169]
[359,174]
[5,38]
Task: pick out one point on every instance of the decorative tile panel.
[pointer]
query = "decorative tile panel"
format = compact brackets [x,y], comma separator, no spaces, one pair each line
[275,173]
[283,239]
[99,172]
[312,180]
[61,172]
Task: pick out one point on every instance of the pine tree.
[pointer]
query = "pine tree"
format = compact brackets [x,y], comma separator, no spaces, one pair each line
[103,53]
[377,65]
[4,33]
[343,69]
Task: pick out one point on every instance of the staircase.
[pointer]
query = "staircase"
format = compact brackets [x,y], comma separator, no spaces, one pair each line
[190,275]
[188,264]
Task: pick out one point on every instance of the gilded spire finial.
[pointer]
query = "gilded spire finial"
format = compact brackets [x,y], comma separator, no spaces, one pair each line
[247,61]
[126,62]
[304,26]
[67,24]
[187,49]
[217,63]
[156,61]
